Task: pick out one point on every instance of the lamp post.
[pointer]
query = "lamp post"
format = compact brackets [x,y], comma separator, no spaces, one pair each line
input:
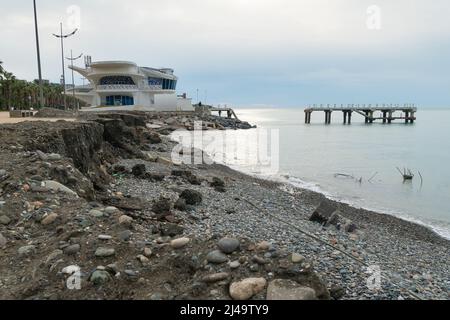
[72,59]
[38,52]
[61,36]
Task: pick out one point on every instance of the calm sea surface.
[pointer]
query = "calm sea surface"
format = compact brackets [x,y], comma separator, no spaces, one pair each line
[310,156]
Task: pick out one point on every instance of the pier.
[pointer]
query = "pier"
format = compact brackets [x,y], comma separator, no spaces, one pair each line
[385,113]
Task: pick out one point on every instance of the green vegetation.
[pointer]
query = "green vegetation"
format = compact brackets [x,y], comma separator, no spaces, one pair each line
[21,94]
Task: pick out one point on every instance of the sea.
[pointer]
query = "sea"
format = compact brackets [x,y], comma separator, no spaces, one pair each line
[359,164]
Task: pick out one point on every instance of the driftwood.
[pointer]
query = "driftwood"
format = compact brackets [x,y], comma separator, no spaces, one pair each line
[406,174]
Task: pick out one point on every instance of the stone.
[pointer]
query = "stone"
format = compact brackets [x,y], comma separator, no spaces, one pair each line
[3,241]
[27,250]
[53,256]
[297,258]
[247,288]
[284,289]
[58,187]
[216,257]
[54,157]
[104,252]
[5,220]
[228,245]
[99,277]
[263,246]
[180,204]
[104,237]
[139,170]
[111,210]
[125,221]
[337,292]
[73,249]
[153,138]
[179,243]
[192,197]
[49,219]
[125,235]
[143,259]
[162,206]
[216,277]
[218,184]
[171,230]
[234,264]
[323,212]
[148,252]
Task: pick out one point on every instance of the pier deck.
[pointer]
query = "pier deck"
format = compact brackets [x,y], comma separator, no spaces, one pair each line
[387,114]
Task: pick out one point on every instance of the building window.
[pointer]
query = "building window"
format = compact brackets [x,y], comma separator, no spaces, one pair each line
[155,81]
[119,101]
[114,80]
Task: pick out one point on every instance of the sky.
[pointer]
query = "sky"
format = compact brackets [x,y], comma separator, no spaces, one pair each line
[253,53]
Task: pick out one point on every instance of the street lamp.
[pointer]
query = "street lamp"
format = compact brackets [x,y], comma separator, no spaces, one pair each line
[41,90]
[62,37]
[72,59]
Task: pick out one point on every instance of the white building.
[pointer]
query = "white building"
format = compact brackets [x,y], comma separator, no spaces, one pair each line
[121,85]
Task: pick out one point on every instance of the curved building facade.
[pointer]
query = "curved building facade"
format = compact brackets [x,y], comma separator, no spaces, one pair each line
[124,85]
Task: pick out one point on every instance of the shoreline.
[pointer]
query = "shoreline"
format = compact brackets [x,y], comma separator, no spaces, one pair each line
[124,193]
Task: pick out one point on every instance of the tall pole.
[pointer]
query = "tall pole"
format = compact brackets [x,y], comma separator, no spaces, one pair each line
[72,59]
[61,36]
[41,90]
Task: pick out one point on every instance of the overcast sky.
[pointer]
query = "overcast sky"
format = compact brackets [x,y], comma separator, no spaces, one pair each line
[252,52]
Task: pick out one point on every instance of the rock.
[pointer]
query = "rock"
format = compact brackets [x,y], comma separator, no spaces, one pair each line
[263,246]
[340,222]
[96,213]
[104,237]
[228,245]
[58,187]
[27,250]
[192,197]
[104,252]
[125,235]
[99,277]
[162,206]
[180,204]
[337,292]
[3,241]
[234,264]
[216,257]
[297,258]
[323,212]
[139,170]
[73,249]
[111,210]
[153,138]
[125,221]
[179,243]
[54,157]
[5,220]
[148,252]
[218,184]
[171,230]
[247,288]
[53,256]
[259,260]
[118,168]
[155,176]
[143,259]
[49,219]
[284,289]
[216,277]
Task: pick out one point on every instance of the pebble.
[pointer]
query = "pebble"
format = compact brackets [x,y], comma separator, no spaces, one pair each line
[179,243]
[96,213]
[4,220]
[99,277]
[216,257]
[49,219]
[247,288]
[111,210]
[143,259]
[297,258]
[104,237]
[73,249]
[228,245]
[125,235]
[3,241]
[284,289]
[216,277]
[234,264]
[52,256]
[104,252]
[263,246]
[148,252]
[27,250]
[125,220]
